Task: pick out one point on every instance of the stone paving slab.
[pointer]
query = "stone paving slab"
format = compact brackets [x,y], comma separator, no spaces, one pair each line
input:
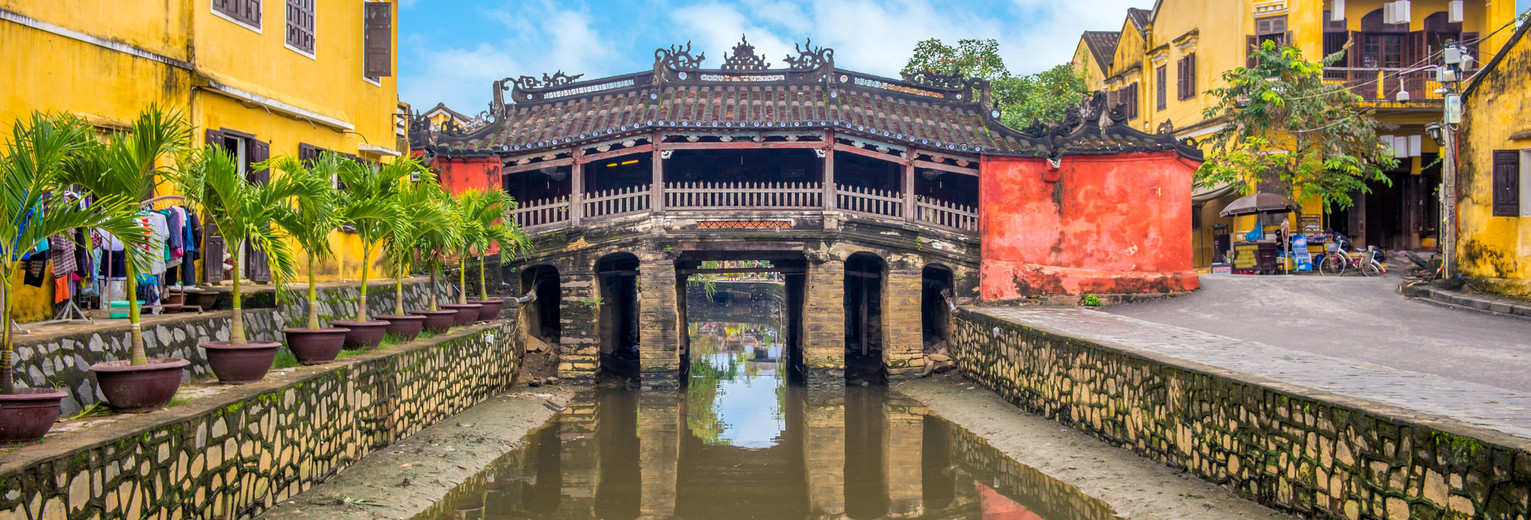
[1489,407]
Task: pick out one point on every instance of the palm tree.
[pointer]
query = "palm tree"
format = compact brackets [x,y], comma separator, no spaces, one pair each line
[489,214]
[425,216]
[368,205]
[259,213]
[433,244]
[314,218]
[39,156]
[129,165]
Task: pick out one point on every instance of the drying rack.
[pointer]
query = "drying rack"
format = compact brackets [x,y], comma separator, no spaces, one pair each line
[71,313]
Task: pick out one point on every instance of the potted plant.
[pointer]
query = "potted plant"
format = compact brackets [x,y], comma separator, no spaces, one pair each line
[128,166]
[421,214]
[312,222]
[34,163]
[368,205]
[431,244]
[489,211]
[463,205]
[259,213]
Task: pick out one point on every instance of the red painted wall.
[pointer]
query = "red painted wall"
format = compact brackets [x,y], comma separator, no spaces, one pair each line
[1109,225]
[458,175]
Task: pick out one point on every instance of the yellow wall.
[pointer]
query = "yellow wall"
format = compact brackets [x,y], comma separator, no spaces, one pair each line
[1495,249]
[109,86]
[1084,63]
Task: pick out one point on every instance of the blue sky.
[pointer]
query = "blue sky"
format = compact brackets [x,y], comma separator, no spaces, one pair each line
[451,50]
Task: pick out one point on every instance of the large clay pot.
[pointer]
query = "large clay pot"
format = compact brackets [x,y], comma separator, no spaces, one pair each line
[407,328]
[467,313]
[140,388]
[363,334]
[26,415]
[490,310]
[240,364]
[315,346]
[438,321]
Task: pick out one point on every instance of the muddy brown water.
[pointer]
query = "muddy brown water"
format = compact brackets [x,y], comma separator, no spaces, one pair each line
[742,441]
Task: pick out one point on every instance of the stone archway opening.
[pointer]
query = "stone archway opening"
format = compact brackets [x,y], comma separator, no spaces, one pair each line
[936,282]
[543,313]
[865,274]
[616,309]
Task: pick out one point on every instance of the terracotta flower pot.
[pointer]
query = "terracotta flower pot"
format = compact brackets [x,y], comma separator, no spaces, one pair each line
[142,388]
[363,334]
[407,328]
[467,313]
[26,415]
[240,364]
[490,310]
[438,321]
[315,346]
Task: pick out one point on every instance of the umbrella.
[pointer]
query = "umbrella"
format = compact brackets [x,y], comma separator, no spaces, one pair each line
[1257,203]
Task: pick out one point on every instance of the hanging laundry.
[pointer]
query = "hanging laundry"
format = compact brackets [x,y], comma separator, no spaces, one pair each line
[63,254]
[61,289]
[159,231]
[35,267]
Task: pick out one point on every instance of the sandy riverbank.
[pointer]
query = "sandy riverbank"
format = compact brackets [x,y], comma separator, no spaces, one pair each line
[1135,487]
[404,479]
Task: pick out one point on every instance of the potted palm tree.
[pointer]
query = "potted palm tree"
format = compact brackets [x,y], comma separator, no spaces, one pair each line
[431,244]
[368,205]
[421,214]
[258,213]
[493,227]
[33,165]
[463,205]
[313,221]
[129,166]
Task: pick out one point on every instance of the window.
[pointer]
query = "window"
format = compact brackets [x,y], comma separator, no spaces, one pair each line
[1382,50]
[1271,28]
[245,12]
[300,26]
[246,150]
[1186,73]
[1507,173]
[377,44]
[1130,101]
[1163,86]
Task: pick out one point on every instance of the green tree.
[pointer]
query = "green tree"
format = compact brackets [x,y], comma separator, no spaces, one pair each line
[1044,96]
[1284,122]
[369,205]
[425,217]
[314,219]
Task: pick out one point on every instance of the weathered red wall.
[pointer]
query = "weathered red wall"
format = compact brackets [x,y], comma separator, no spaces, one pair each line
[1109,225]
[458,175]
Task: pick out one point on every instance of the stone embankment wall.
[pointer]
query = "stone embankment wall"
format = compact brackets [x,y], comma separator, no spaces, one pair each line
[1311,455]
[236,453]
[62,360]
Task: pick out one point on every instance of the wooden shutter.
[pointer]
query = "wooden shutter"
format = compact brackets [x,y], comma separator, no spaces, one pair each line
[1506,183]
[212,251]
[213,138]
[379,39]
[1163,86]
[300,25]
[1250,42]
[257,152]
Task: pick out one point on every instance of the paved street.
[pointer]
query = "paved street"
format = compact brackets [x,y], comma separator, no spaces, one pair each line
[1361,319]
[1504,410]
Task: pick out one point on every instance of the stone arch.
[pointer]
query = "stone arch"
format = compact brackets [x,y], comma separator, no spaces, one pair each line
[865,274]
[616,306]
[543,316]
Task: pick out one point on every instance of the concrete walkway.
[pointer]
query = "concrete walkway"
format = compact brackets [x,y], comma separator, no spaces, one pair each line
[1354,318]
[1495,408]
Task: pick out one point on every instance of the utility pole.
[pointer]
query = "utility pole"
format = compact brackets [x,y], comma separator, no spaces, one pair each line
[1444,133]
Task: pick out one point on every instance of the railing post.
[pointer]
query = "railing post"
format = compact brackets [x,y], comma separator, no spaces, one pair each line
[577,189]
[656,189]
[829,170]
[909,185]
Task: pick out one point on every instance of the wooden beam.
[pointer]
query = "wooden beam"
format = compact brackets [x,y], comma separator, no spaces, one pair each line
[640,149]
[656,186]
[841,147]
[577,190]
[519,168]
[829,170]
[625,272]
[908,188]
[745,145]
[946,168]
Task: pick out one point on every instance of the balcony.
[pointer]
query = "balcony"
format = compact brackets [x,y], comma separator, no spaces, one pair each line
[1382,84]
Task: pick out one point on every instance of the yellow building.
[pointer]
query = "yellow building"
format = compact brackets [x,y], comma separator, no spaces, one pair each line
[1494,173]
[1167,59]
[260,77]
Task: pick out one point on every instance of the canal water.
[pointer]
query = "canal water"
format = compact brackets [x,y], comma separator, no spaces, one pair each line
[741,441]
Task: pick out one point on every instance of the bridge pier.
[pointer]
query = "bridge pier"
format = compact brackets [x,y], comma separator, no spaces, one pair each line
[902,338]
[823,316]
[578,350]
[659,324]
[824,451]
[659,432]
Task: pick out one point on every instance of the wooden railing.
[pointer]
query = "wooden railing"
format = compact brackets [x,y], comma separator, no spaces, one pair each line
[743,195]
[870,201]
[616,202]
[1383,84]
[540,214]
[948,215]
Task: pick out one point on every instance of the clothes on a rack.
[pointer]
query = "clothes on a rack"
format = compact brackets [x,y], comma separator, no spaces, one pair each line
[62,251]
[36,264]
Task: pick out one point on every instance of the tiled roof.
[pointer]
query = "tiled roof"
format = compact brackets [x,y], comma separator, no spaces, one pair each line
[1102,45]
[1140,17]
[926,111]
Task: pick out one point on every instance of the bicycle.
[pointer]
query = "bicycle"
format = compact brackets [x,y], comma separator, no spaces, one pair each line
[1337,261]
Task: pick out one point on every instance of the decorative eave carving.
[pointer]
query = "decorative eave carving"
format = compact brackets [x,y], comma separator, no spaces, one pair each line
[744,59]
[678,58]
[810,58]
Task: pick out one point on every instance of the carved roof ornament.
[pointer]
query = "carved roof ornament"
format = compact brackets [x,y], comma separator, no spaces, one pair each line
[1166,127]
[744,58]
[810,57]
[557,79]
[677,57]
[936,79]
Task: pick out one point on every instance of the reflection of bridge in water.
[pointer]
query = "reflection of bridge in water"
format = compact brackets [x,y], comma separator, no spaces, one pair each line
[854,452]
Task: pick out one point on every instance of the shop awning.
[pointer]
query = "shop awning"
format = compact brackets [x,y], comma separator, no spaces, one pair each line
[1201,195]
[1257,203]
